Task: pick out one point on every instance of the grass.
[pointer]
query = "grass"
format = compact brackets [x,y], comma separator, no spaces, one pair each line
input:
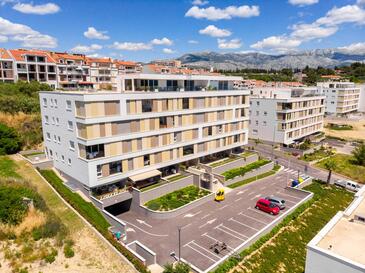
[222,162]
[284,248]
[240,171]
[176,199]
[91,214]
[8,168]
[252,179]
[317,155]
[339,127]
[246,154]
[345,166]
[176,177]
[33,154]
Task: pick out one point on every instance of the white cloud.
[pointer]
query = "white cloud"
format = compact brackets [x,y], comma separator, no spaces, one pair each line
[3,39]
[200,2]
[229,44]
[4,2]
[356,48]
[86,48]
[213,31]
[213,13]
[48,8]
[163,41]
[168,51]
[277,43]
[303,2]
[360,2]
[131,46]
[345,14]
[92,33]
[307,32]
[26,35]
[193,42]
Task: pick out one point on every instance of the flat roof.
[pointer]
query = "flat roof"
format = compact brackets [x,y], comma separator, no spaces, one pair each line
[162,76]
[345,236]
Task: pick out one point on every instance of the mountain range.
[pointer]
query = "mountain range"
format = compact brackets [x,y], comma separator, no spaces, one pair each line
[230,61]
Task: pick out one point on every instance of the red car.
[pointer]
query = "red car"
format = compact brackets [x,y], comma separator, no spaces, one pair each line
[267,206]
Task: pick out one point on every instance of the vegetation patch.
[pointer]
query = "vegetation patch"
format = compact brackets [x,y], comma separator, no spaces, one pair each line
[317,154]
[345,165]
[252,179]
[176,199]
[8,167]
[240,171]
[339,127]
[288,240]
[176,177]
[222,162]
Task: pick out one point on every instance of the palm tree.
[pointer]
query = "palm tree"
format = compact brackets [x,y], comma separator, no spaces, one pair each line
[330,165]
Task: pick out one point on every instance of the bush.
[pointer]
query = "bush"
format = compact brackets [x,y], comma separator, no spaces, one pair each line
[51,257]
[242,170]
[67,249]
[9,140]
[359,155]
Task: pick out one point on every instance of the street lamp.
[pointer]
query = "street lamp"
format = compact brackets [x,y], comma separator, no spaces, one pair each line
[179,235]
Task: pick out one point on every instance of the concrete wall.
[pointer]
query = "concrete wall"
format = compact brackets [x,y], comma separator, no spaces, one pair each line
[114,221]
[149,257]
[116,199]
[263,169]
[235,164]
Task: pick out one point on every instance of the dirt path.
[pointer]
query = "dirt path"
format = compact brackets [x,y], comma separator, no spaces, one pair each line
[92,254]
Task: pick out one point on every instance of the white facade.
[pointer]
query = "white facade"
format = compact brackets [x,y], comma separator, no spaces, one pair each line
[339,246]
[341,97]
[284,115]
[362,98]
[135,141]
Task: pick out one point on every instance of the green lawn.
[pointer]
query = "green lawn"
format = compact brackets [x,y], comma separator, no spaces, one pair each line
[222,162]
[316,155]
[8,167]
[339,127]
[252,179]
[176,199]
[345,167]
[240,171]
[286,251]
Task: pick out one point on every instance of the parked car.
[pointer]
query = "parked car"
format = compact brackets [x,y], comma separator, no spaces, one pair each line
[277,201]
[267,206]
[348,184]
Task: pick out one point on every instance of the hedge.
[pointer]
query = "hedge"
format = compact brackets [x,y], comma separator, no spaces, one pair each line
[240,171]
[92,215]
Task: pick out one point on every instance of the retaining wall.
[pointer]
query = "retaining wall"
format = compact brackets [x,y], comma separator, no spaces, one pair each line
[235,164]
[149,257]
[263,169]
[114,221]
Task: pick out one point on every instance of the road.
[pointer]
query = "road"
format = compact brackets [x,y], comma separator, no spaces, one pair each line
[234,221]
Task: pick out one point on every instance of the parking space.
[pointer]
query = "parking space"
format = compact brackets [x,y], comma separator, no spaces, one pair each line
[214,230]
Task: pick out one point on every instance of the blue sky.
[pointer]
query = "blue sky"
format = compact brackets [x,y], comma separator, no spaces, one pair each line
[142,30]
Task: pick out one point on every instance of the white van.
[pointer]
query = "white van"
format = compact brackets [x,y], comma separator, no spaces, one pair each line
[348,184]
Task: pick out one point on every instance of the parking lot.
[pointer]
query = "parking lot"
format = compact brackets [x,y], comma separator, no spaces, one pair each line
[234,222]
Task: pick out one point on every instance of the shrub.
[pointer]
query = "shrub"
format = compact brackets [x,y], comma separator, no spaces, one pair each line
[359,155]
[51,257]
[242,170]
[67,249]
[9,140]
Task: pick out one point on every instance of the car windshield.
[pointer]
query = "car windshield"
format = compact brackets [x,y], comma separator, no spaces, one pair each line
[272,205]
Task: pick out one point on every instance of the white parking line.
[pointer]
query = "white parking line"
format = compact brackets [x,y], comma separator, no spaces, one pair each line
[251,193]
[241,213]
[206,256]
[261,212]
[290,195]
[215,240]
[205,216]
[263,188]
[238,199]
[231,232]
[223,207]
[242,224]
[212,253]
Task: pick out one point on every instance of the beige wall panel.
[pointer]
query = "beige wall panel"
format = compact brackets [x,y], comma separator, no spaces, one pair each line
[165,156]
[125,167]
[82,151]
[138,107]
[134,145]
[105,170]
[108,129]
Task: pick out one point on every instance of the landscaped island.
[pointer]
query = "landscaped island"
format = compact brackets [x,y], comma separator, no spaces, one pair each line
[176,199]
[230,174]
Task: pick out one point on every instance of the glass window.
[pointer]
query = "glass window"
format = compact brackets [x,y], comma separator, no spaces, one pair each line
[187,150]
[98,171]
[115,167]
[146,160]
[186,103]
[68,105]
[72,145]
[146,106]
[70,125]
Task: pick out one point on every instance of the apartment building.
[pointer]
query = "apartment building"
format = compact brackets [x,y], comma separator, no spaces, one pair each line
[103,72]
[6,66]
[339,246]
[285,115]
[146,130]
[34,65]
[341,97]
[73,71]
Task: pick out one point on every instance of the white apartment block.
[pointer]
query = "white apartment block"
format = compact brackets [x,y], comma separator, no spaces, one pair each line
[341,97]
[6,67]
[285,115]
[154,123]
[339,246]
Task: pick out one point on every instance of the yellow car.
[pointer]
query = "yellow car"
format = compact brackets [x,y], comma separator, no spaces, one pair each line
[219,195]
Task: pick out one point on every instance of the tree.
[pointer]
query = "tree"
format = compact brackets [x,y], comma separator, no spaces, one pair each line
[179,267]
[359,155]
[9,140]
[330,165]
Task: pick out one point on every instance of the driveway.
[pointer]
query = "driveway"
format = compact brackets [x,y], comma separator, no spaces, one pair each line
[234,221]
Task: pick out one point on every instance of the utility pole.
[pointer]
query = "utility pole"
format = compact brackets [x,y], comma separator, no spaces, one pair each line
[179,230]
[273,141]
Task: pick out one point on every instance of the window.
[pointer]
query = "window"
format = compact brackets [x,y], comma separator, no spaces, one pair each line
[186,103]
[223,85]
[70,125]
[55,103]
[257,103]
[56,156]
[210,131]
[68,105]
[59,139]
[265,113]
[254,132]
[48,136]
[146,106]
[63,158]
[146,160]
[98,171]
[163,122]
[46,119]
[44,102]
[53,120]
[57,121]
[257,113]
[69,161]
[55,138]
[51,103]
[72,145]
[188,150]
[220,129]
[115,167]
[175,137]
[236,138]
[257,122]
[94,151]
[264,123]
